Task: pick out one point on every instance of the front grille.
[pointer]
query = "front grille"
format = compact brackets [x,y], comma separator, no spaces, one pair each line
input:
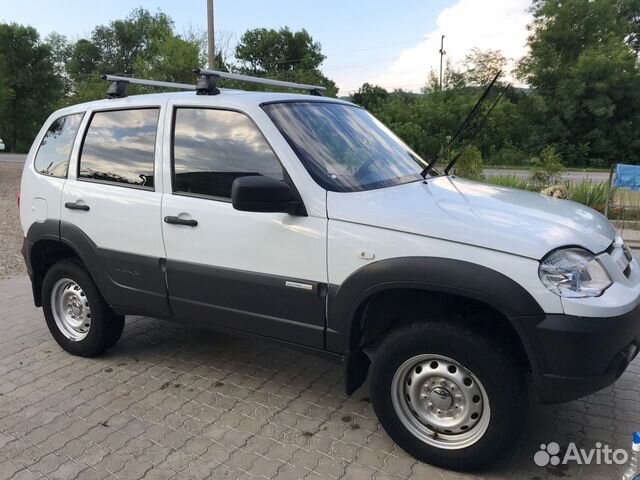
[621,255]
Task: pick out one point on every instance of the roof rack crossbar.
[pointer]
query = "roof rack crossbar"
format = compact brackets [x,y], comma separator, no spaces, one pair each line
[215,74]
[118,89]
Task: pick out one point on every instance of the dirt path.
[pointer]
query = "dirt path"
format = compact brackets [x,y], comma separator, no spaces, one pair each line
[11,262]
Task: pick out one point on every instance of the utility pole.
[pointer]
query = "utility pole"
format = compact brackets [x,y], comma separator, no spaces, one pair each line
[442,54]
[211,43]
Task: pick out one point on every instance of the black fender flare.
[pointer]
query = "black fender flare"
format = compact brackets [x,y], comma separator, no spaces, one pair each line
[142,293]
[435,274]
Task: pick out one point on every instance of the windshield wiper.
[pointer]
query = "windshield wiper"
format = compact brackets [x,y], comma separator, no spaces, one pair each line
[463,126]
[474,133]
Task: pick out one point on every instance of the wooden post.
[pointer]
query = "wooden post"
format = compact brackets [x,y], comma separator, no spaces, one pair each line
[211,38]
[606,207]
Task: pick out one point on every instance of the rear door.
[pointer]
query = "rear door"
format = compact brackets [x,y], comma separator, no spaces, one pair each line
[263,273]
[111,208]
[46,169]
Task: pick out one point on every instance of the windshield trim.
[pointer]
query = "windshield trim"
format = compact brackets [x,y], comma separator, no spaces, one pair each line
[311,100]
[319,179]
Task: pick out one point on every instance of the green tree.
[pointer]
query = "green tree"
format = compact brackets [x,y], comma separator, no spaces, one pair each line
[84,59]
[30,84]
[481,66]
[60,50]
[123,43]
[142,44]
[284,55]
[268,51]
[174,61]
[371,97]
[582,66]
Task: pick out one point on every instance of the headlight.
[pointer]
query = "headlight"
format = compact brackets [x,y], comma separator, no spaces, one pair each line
[574,273]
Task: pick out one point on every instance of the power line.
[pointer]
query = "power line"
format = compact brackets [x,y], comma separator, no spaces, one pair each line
[347,52]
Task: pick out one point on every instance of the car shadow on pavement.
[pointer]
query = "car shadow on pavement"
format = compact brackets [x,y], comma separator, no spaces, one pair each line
[174,401]
[254,371]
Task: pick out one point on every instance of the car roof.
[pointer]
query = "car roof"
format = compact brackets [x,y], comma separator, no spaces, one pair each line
[226,97]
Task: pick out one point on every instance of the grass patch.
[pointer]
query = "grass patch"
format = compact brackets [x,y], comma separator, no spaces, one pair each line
[526,167]
[511,181]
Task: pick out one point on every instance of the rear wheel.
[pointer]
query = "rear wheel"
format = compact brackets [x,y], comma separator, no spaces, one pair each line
[77,316]
[448,395]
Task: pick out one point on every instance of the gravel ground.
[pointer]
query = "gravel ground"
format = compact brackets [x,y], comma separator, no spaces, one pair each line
[11,262]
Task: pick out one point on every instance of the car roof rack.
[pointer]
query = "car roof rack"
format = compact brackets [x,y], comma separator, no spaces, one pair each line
[118,89]
[207,83]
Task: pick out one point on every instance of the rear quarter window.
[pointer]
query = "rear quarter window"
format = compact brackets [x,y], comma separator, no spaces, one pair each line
[54,151]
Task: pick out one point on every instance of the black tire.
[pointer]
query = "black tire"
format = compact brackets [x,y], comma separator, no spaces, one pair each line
[499,374]
[106,327]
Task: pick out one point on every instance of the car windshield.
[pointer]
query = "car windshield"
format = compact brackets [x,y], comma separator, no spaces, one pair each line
[344,147]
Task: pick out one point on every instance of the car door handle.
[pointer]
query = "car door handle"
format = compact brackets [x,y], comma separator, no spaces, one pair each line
[181,221]
[75,206]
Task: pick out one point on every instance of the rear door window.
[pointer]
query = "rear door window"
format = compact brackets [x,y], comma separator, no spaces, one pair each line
[119,148]
[54,151]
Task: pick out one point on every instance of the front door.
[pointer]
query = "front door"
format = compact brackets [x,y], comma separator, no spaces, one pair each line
[263,273]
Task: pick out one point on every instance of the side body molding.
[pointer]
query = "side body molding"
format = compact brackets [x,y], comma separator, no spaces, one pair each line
[423,273]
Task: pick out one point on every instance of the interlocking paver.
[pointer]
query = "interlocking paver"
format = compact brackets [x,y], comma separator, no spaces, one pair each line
[172,402]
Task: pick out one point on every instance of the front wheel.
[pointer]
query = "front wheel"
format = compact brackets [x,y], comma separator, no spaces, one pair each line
[448,396]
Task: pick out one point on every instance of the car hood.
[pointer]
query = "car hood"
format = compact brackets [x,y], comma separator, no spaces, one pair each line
[514,221]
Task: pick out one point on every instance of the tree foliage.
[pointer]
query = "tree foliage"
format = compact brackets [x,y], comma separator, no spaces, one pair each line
[582,76]
[481,66]
[29,85]
[284,55]
[371,97]
[583,68]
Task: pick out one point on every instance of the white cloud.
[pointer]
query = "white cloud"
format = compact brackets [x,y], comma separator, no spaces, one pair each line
[496,24]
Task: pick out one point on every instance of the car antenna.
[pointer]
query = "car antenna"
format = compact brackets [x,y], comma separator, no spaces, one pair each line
[462,127]
[475,132]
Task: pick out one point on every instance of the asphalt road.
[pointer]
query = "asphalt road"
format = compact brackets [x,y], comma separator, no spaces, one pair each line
[13,157]
[570,176]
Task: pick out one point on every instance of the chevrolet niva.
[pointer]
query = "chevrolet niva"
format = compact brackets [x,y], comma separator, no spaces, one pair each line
[303,219]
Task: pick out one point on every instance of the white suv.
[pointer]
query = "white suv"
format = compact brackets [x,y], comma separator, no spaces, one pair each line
[304,220]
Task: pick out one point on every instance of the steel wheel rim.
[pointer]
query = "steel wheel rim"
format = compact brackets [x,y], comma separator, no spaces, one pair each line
[440,402]
[70,308]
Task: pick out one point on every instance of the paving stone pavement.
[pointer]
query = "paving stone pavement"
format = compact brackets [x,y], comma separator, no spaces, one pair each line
[175,402]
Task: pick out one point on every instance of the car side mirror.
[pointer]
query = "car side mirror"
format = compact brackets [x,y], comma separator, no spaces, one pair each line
[257,193]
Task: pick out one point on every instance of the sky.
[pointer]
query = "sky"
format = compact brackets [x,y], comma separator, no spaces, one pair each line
[392,44]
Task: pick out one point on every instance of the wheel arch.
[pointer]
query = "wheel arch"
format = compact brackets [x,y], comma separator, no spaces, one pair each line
[356,321]
[43,246]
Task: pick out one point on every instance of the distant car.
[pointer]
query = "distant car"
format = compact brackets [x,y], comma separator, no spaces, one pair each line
[1,145]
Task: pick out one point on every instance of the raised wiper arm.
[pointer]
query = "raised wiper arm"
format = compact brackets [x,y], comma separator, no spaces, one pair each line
[475,132]
[462,127]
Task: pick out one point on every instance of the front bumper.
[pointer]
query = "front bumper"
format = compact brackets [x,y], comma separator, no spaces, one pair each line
[573,356]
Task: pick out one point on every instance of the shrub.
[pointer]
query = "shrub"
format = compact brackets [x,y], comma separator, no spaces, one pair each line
[589,193]
[546,168]
[507,155]
[511,181]
[469,165]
